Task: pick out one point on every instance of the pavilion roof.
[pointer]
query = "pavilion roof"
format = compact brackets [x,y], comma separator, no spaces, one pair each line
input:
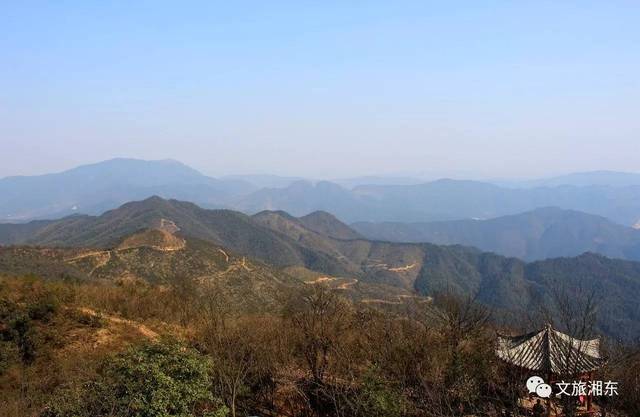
[550,351]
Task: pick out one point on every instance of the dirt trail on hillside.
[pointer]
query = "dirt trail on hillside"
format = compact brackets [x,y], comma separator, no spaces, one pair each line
[380,265]
[321,280]
[87,254]
[177,247]
[341,286]
[400,299]
[141,328]
[403,268]
[226,256]
[346,285]
[103,258]
[235,266]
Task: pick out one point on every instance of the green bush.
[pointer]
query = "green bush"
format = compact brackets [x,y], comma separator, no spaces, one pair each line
[153,380]
[17,328]
[44,308]
[377,398]
[158,380]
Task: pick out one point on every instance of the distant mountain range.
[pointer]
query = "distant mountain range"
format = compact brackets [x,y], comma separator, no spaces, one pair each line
[264,181]
[580,179]
[376,180]
[442,200]
[93,189]
[276,181]
[538,234]
[318,245]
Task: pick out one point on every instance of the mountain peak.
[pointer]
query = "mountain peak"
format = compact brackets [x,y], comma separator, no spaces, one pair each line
[152,202]
[155,199]
[327,224]
[140,170]
[279,213]
[95,188]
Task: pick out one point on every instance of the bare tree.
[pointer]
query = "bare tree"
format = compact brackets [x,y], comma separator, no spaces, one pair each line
[231,345]
[575,311]
[463,324]
[322,318]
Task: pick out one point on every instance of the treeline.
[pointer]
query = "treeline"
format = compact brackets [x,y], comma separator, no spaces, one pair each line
[63,354]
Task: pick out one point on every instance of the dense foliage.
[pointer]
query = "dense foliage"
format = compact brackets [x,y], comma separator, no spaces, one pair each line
[151,380]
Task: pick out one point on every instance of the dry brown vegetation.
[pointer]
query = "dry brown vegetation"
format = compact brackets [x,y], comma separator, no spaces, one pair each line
[321,355]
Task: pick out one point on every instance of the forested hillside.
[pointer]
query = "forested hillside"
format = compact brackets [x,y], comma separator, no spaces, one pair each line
[283,241]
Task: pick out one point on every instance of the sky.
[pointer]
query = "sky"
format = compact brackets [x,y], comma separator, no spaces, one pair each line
[323,89]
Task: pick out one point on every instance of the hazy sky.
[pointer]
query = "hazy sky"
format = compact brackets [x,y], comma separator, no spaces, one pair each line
[322,89]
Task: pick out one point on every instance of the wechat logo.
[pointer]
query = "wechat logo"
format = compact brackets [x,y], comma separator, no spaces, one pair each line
[536,385]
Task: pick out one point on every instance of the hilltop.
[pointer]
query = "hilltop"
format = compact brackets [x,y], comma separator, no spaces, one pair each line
[143,257]
[328,225]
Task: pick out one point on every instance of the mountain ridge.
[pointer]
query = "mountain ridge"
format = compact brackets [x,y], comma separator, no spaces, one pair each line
[441,200]
[95,188]
[538,234]
[583,179]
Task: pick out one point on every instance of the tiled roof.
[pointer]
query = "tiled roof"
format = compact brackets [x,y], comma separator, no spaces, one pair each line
[550,351]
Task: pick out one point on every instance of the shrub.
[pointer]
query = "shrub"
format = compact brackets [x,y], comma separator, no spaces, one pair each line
[153,380]
[17,328]
[379,399]
[157,380]
[7,356]
[44,308]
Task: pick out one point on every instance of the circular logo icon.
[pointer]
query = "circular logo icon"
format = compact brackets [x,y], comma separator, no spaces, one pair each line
[543,390]
[533,382]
